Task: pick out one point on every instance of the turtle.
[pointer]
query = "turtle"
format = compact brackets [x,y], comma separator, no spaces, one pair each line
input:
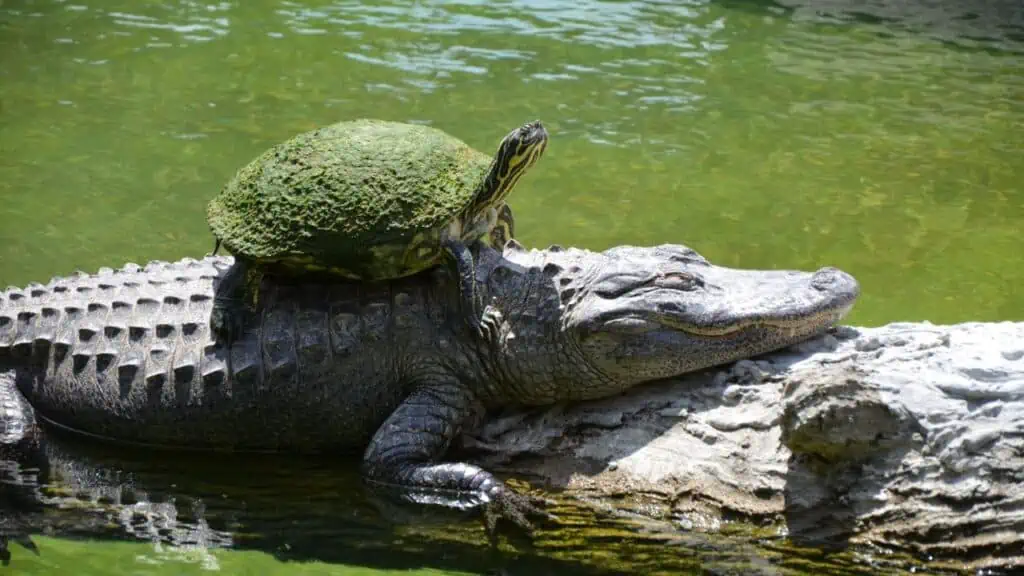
[368,200]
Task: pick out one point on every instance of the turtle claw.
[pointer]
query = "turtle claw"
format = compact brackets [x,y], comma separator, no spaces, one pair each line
[216,247]
[509,505]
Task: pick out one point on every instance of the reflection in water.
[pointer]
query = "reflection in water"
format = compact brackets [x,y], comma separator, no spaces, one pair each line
[191,507]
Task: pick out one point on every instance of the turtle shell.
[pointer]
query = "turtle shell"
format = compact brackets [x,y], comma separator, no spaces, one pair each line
[365,199]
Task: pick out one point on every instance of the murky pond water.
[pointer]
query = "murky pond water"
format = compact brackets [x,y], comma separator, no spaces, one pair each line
[882,137]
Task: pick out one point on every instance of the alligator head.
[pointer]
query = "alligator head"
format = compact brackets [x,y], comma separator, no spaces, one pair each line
[574,324]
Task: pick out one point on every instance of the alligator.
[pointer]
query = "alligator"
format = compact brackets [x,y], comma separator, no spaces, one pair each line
[386,369]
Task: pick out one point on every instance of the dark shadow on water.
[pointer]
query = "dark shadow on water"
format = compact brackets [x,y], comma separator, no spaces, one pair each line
[992,25]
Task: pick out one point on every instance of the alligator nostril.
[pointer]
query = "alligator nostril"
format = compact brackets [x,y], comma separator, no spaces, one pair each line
[826,278]
[829,278]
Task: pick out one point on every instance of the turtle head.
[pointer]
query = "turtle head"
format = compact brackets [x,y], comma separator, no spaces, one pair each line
[518,151]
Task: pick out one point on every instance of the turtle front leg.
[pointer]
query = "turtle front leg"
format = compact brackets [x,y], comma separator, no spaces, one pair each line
[234,299]
[494,227]
[406,451]
[465,270]
[504,228]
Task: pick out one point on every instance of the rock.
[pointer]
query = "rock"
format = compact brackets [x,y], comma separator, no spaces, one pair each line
[907,436]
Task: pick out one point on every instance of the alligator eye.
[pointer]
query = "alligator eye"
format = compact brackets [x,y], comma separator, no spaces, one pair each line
[616,286]
[681,281]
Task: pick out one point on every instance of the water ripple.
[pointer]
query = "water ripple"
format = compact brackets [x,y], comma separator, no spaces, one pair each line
[186,20]
[621,24]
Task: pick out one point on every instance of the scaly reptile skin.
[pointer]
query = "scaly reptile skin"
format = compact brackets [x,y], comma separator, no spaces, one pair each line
[386,369]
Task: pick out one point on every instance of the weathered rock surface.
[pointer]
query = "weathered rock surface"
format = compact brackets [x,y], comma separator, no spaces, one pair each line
[909,436]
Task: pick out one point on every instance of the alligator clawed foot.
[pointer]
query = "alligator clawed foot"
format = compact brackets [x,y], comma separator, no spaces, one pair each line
[481,332]
[509,505]
[24,539]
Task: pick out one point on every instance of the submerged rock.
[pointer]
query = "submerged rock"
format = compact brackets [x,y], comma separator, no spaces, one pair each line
[907,436]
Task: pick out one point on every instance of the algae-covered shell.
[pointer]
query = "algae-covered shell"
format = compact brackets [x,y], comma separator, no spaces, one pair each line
[367,199]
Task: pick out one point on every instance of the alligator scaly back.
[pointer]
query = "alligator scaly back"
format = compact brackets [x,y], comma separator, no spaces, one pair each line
[142,327]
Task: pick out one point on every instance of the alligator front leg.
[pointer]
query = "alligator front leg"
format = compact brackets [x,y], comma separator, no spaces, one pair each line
[406,453]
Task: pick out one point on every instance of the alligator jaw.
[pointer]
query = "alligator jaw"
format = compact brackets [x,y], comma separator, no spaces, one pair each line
[795,327]
[792,327]
[719,301]
[648,320]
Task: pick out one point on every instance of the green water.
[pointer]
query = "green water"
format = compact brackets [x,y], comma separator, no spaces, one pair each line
[761,136]
[885,138]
